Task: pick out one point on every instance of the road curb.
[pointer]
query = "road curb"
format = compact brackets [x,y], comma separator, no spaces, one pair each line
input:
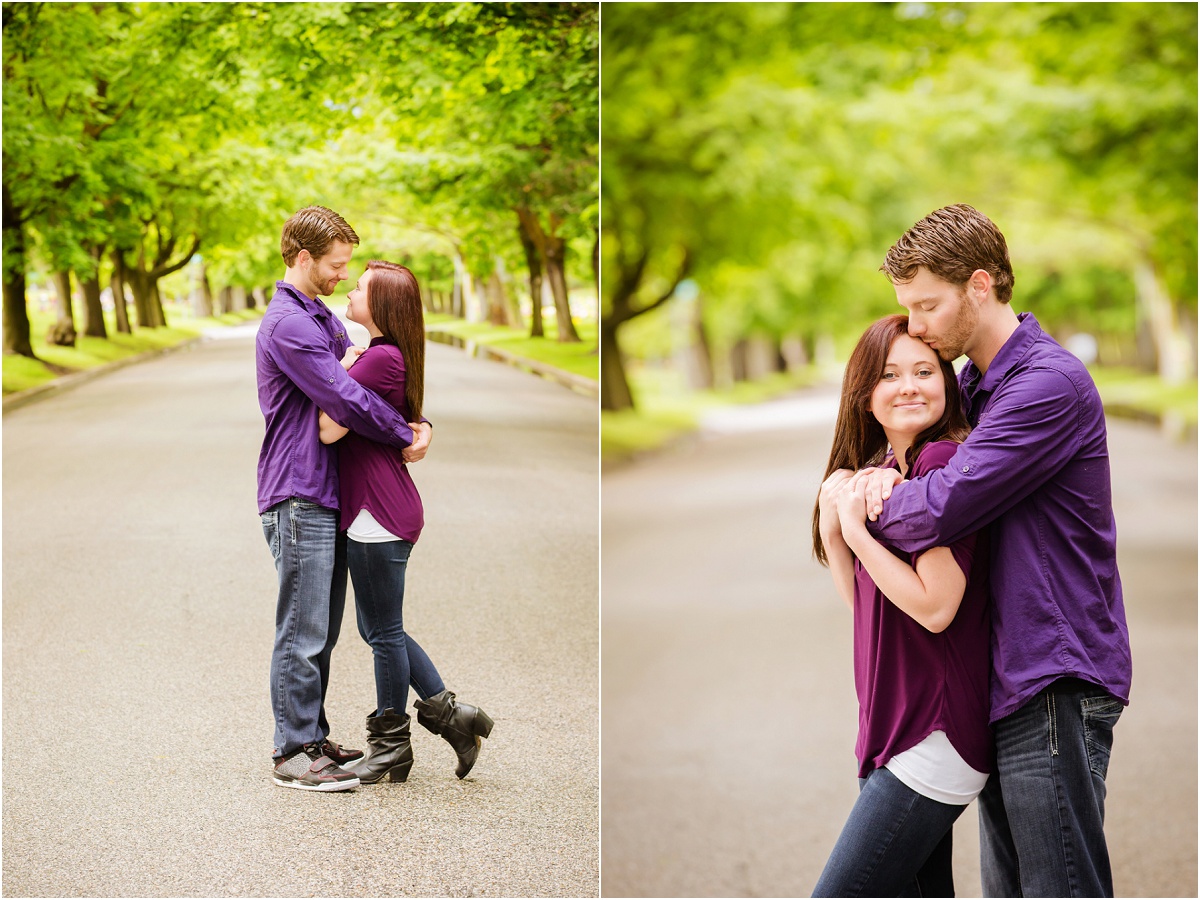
[578,383]
[17,399]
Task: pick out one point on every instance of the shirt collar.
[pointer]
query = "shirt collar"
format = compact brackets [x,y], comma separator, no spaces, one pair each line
[382,339]
[311,305]
[1013,351]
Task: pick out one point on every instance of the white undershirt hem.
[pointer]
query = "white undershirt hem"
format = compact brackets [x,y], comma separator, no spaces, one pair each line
[934,769]
[366,530]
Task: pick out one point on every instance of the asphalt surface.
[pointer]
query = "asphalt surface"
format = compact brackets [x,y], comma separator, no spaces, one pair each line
[138,601]
[728,706]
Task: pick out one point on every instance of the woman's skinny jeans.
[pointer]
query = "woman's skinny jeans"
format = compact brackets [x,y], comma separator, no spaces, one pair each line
[896,843]
[377,571]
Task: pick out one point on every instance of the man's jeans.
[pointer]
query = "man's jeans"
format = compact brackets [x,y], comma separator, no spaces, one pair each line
[1041,816]
[896,843]
[377,570]
[310,557]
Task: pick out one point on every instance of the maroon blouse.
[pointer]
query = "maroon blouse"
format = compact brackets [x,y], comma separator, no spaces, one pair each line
[912,682]
[373,476]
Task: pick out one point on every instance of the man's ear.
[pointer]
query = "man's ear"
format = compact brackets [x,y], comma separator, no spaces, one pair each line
[979,284]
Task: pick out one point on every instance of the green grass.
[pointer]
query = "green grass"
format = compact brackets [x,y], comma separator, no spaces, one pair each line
[22,373]
[1128,390]
[667,409]
[579,358]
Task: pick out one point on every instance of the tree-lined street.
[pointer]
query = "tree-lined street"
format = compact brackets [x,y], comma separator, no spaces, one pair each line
[729,712]
[139,601]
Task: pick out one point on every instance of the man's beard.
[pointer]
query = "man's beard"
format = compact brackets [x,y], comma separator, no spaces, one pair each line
[952,344]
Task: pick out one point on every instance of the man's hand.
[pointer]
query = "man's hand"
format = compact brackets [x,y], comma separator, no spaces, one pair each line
[422,435]
[352,355]
[878,484]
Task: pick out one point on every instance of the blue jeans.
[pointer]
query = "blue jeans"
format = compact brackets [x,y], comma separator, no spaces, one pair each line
[1041,816]
[310,559]
[378,574]
[896,843]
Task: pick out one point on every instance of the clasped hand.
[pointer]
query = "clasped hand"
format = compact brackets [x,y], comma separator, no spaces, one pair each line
[854,497]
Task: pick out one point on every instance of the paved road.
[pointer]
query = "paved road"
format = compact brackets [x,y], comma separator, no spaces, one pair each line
[138,620]
[728,701]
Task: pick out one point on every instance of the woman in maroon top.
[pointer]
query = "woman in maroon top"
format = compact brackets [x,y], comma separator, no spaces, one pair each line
[921,628]
[382,515]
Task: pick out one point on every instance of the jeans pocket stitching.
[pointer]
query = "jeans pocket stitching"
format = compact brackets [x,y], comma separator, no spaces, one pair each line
[1052,719]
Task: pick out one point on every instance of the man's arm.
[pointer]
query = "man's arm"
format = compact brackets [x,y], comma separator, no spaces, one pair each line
[300,352]
[1031,429]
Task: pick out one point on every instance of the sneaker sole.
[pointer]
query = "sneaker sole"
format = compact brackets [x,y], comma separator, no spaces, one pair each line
[323,786]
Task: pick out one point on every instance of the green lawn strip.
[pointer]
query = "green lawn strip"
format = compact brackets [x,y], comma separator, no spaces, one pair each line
[1128,390]
[666,409]
[22,373]
[579,358]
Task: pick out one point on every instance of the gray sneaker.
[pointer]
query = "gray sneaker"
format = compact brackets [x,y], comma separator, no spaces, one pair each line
[309,769]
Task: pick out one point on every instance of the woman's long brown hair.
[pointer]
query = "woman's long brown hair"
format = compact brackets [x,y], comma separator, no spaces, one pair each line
[394,303]
[858,439]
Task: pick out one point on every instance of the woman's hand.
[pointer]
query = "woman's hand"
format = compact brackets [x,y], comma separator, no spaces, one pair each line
[852,505]
[352,355]
[827,501]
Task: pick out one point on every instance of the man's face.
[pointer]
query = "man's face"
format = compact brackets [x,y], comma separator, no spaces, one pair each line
[939,313]
[325,273]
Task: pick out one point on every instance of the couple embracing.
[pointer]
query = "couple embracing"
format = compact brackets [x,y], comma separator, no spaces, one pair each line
[967,521]
[334,493]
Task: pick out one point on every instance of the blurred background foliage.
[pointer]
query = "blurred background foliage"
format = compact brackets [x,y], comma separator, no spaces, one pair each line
[153,151]
[759,159]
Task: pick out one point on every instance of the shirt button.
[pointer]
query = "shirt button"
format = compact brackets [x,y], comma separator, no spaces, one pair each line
[966,469]
[331,382]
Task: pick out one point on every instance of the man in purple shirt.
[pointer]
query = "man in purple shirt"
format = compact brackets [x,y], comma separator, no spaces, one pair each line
[300,347]
[1035,469]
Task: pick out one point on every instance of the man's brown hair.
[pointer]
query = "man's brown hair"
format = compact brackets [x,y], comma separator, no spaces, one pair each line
[952,243]
[313,229]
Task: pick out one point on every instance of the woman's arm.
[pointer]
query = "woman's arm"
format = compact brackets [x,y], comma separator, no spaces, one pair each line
[331,431]
[838,555]
[929,593]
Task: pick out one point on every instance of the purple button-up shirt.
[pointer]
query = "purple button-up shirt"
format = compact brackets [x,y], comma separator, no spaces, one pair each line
[1035,468]
[300,347]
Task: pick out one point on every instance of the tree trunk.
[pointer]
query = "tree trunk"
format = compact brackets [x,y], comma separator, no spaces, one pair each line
[239,298]
[62,332]
[117,284]
[89,286]
[202,298]
[533,262]
[157,314]
[456,292]
[225,299]
[16,310]
[139,283]
[257,298]
[614,385]
[553,250]
[1170,343]
[93,311]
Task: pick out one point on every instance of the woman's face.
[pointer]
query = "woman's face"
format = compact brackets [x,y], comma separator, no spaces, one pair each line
[356,306]
[911,393]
